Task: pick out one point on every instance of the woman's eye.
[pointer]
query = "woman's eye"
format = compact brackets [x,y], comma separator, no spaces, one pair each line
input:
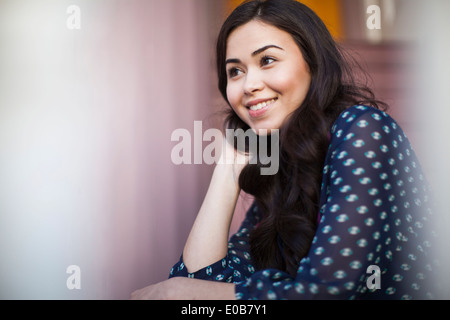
[233,72]
[267,60]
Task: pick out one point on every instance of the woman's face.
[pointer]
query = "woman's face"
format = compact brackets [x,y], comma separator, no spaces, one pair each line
[267,77]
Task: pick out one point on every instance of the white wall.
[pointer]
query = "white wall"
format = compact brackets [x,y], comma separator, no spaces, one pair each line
[432,76]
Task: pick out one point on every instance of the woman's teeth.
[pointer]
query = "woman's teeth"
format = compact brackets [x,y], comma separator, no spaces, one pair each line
[261,105]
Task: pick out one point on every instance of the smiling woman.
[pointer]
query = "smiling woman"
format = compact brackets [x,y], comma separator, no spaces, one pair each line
[267,76]
[349,197]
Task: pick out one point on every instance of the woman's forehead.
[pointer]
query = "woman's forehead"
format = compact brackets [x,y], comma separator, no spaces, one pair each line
[253,35]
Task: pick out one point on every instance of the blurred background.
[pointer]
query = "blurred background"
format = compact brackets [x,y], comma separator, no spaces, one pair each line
[90,93]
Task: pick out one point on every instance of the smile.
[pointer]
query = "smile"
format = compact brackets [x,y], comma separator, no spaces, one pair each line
[258,109]
[261,105]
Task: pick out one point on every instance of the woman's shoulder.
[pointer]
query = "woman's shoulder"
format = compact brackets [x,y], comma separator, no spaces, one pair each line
[364,114]
[360,117]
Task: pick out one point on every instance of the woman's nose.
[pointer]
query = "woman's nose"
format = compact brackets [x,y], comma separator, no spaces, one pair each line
[253,82]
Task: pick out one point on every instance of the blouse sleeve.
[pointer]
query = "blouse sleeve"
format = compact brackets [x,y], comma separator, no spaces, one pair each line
[236,266]
[373,203]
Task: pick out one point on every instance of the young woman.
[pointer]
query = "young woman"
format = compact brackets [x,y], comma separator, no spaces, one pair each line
[347,214]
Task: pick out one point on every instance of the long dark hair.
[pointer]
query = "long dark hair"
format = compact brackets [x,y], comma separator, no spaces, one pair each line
[289,199]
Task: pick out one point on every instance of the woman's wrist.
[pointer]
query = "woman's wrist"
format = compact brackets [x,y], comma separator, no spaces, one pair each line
[196,289]
[227,175]
[180,288]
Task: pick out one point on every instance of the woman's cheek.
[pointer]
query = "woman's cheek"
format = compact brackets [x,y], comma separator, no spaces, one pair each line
[278,81]
[231,95]
[234,98]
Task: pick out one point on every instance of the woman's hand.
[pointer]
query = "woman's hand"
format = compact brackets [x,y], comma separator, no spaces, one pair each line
[233,159]
[165,290]
[180,288]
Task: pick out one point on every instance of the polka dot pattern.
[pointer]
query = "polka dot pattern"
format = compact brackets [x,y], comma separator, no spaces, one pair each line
[374,210]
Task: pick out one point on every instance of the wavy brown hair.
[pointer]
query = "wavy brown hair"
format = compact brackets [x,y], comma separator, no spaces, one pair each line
[289,199]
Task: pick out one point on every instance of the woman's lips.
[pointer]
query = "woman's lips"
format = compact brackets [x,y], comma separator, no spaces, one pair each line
[261,108]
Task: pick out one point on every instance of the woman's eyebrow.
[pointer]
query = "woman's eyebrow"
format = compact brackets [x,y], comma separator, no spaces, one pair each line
[232,61]
[256,52]
[265,48]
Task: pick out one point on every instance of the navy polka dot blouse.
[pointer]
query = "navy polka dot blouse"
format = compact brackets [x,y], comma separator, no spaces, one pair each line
[374,238]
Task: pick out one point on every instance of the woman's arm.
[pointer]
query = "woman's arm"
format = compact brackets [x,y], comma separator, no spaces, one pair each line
[208,239]
[181,288]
